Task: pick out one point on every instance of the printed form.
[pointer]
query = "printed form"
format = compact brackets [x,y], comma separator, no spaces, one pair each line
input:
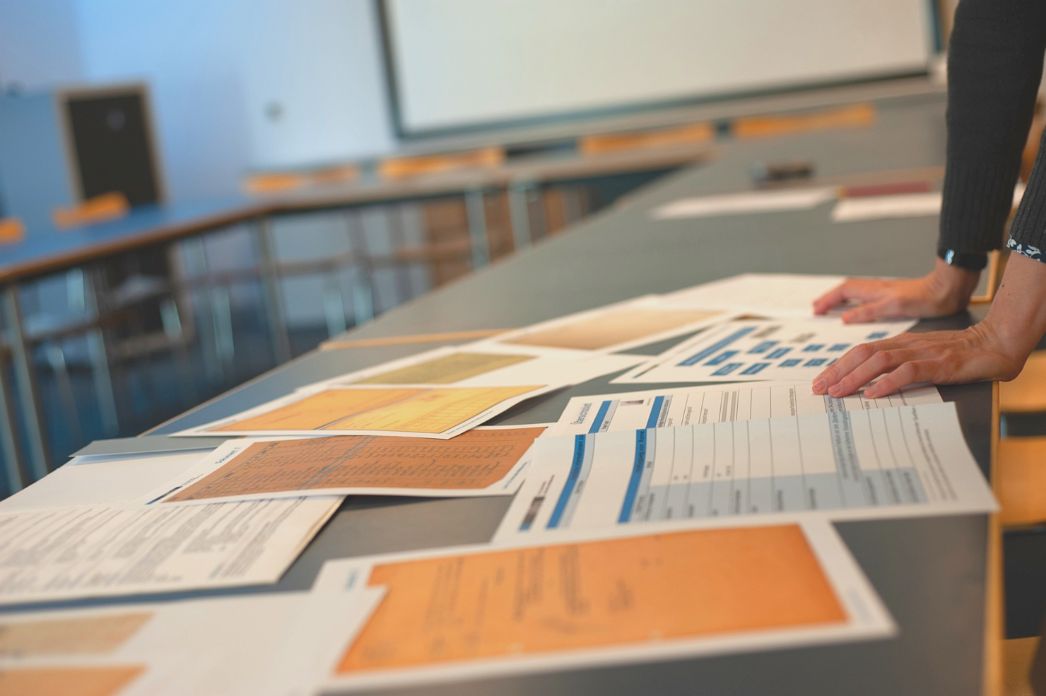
[756,350]
[51,554]
[670,408]
[768,294]
[888,462]
[199,646]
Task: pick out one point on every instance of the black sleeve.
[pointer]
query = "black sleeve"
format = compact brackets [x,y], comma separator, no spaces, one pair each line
[1028,233]
[995,61]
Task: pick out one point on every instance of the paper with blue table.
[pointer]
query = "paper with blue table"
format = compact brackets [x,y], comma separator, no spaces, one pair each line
[840,464]
[670,408]
[759,350]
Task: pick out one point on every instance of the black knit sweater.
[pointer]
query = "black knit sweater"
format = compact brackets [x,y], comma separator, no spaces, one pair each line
[995,62]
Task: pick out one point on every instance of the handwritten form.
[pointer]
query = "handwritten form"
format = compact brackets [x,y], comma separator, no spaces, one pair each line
[609,599]
[485,461]
[93,551]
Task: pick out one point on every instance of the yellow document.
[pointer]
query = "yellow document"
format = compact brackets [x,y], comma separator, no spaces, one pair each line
[79,635]
[67,681]
[447,369]
[432,411]
[475,462]
[626,591]
[615,327]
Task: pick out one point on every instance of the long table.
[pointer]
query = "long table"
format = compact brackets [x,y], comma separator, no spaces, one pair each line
[931,573]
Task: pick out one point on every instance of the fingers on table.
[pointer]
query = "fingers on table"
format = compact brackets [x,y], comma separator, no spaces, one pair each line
[847,290]
[836,378]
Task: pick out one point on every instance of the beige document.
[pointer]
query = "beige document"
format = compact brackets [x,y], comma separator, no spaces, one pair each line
[484,461]
[94,551]
[614,327]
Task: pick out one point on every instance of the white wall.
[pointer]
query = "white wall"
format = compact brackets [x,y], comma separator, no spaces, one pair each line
[215,67]
[39,43]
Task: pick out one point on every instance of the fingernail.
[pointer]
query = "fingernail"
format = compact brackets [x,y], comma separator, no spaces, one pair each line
[818,386]
[835,390]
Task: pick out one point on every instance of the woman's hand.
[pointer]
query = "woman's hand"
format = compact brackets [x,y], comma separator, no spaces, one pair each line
[945,290]
[939,357]
[996,348]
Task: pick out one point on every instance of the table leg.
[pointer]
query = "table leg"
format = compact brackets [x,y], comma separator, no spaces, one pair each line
[475,209]
[519,214]
[281,343]
[25,381]
[9,447]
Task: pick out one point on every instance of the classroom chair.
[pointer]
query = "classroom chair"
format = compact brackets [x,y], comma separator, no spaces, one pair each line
[604,143]
[11,230]
[856,116]
[1017,657]
[460,234]
[271,182]
[108,206]
[399,168]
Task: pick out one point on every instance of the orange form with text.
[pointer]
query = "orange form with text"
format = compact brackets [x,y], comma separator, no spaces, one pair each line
[594,594]
[417,410]
[67,681]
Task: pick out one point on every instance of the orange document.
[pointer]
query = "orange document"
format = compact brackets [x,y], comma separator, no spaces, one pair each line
[447,369]
[619,592]
[432,411]
[613,327]
[81,635]
[67,681]
[353,464]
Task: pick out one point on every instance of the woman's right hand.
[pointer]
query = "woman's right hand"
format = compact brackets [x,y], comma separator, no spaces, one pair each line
[945,290]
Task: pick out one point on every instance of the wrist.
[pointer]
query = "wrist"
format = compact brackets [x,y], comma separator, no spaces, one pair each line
[1002,338]
[952,285]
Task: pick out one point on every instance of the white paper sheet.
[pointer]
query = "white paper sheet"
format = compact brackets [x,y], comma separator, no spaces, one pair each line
[613,319]
[672,408]
[551,366]
[282,644]
[463,421]
[881,207]
[766,294]
[759,350]
[892,462]
[481,458]
[97,480]
[744,203]
[899,205]
[50,554]
[865,616]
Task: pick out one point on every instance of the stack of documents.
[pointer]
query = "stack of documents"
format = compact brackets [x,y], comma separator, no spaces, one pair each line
[645,525]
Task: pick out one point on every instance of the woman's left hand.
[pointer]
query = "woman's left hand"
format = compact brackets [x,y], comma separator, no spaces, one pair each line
[939,357]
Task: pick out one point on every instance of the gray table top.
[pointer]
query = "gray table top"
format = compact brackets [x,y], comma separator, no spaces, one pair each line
[929,572]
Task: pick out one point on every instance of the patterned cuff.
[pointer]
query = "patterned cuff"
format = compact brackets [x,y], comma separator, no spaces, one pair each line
[1026,250]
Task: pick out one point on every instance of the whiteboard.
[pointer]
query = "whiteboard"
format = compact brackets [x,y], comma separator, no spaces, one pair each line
[463,63]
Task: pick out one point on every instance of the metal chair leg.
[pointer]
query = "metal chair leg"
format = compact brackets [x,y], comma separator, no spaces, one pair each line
[25,381]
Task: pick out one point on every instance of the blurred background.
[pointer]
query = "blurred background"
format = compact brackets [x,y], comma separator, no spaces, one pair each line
[194,192]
